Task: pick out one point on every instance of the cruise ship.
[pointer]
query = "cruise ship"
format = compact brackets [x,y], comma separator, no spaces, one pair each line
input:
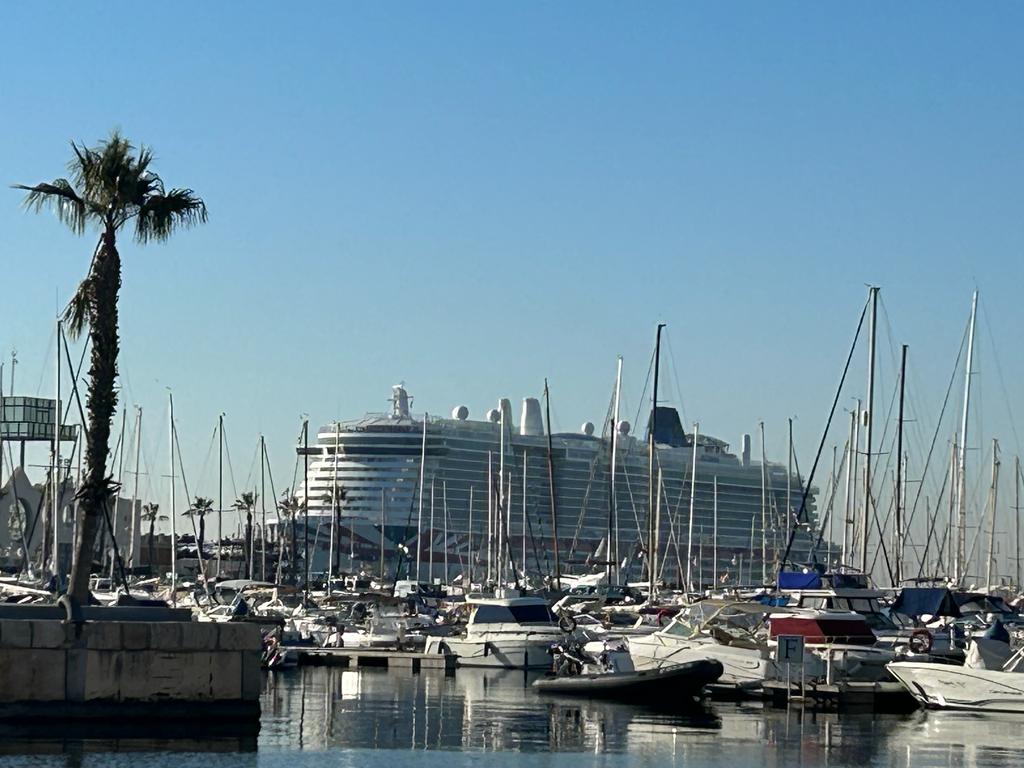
[429,498]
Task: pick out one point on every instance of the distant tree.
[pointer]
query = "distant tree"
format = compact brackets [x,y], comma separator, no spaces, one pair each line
[200,508]
[111,185]
[247,503]
[151,514]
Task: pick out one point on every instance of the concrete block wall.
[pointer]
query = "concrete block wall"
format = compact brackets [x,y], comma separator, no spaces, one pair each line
[128,662]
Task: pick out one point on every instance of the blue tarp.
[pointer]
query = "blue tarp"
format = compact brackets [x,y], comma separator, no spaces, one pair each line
[799,580]
[935,601]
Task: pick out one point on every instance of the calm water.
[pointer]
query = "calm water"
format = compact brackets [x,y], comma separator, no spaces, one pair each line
[315,718]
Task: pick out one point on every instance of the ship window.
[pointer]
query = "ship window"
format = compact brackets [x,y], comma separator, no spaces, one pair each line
[493,614]
[532,614]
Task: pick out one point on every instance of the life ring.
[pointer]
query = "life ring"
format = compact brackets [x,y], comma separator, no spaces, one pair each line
[921,641]
[567,623]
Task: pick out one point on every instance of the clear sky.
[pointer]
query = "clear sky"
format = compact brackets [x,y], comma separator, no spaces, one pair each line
[469,197]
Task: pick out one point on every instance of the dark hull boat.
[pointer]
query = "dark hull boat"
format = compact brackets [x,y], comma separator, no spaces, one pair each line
[679,681]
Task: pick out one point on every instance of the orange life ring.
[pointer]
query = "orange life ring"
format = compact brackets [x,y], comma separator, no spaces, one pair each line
[921,641]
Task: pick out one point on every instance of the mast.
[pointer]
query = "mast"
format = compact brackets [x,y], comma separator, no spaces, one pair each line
[335,533]
[961,500]
[524,514]
[551,488]
[430,536]
[848,493]
[831,508]
[714,534]
[866,514]
[657,530]
[305,504]
[501,511]
[764,510]
[652,450]
[789,481]
[613,508]
[490,519]
[693,500]
[993,499]
[382,505]
[444,507]
[1016,509]
[57,419]
[263,510]
[899,470]
[419,513]
[469,542]
[172,515]
[220,490]
[135,485]
[950,542]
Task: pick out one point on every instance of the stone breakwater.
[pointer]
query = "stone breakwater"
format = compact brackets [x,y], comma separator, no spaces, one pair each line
[63,669]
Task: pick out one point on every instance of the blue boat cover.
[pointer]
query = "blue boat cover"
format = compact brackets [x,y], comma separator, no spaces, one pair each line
[935,601]
[799,580]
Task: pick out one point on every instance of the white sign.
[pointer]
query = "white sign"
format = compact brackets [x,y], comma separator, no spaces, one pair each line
[791,649]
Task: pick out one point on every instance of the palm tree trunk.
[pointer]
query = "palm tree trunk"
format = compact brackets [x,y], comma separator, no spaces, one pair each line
[202,534]
[100,403]
[152,544]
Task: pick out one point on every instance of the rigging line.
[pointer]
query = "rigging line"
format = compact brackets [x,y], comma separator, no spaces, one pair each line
[931,529]
[231,469]
[46,356]
[824,435]
[1002,380]
[675,377]
[209,455]
[252,465]
[184,483]
[831,499]
[938,427]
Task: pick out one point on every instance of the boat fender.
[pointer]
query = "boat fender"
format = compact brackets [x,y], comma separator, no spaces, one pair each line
[921,641]
[567,623]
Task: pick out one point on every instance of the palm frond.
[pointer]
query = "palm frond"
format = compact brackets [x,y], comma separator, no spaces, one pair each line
[70,208]
[76,313]
[161,214]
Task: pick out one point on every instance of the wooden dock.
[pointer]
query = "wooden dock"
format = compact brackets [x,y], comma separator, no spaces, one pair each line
[377,657]
[886,696]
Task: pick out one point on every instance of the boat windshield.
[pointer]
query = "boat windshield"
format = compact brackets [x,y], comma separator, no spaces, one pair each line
[513,614]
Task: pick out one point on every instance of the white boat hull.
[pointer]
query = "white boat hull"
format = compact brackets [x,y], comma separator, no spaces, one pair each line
[944,686]
[742,667]
[495,654]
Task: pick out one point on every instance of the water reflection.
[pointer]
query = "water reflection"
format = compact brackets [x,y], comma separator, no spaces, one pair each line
[372,718]
[478,710]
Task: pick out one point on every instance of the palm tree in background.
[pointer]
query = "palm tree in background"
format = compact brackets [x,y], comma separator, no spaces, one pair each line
[151,514]
[200,508]
[247,503]
[287,509]
[111,186]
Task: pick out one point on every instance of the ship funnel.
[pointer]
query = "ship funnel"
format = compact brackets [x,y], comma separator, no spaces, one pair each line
[399,402]
[531,423]
[460,412]
[505,409]
[494,416]
[745,450]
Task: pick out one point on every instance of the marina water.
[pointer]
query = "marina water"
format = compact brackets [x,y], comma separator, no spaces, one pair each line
[375,717]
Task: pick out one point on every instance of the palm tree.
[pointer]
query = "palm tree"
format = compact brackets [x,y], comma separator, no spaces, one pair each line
[200,508]
[151,514]
[247,502]
[287,509]
[111,186]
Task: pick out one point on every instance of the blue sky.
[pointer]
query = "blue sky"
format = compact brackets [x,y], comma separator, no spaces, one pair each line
[470,197]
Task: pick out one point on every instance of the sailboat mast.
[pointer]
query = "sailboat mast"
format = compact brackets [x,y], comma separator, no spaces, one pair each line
[693,502]
[993,500]
[1016,509]
[57,419]
[764,510]
[961,495]
[651,453]
[305,504]
[263,510]
[335,541]
[848,494]
[220,490]
[173,514]
[551,488]
[899,470]
[135,486]
[714,534]
[866,513]
[419,507]
[613,511]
